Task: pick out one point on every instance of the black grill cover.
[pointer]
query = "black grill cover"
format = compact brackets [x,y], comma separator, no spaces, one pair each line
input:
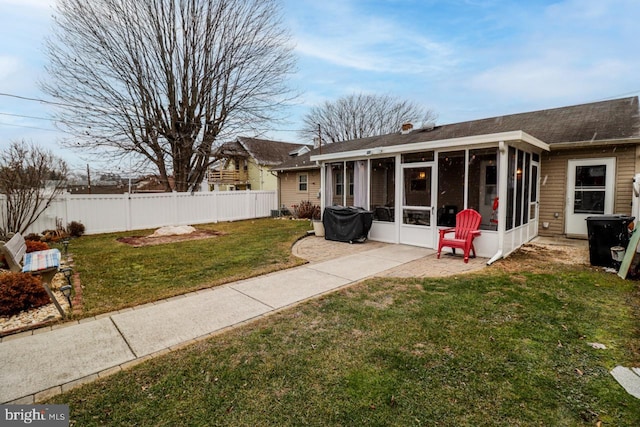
[346,224]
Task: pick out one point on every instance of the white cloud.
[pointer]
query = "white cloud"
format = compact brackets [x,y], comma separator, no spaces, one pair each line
[576,50]
[535,80]
[352,38]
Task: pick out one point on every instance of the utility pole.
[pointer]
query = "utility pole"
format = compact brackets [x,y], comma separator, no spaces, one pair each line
[319,138]
[88,178]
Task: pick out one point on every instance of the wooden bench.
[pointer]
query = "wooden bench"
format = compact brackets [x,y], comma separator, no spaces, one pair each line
[41,263]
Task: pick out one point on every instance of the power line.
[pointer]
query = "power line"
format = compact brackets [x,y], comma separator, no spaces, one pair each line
[29,127]
[42,118]
[26,117]
[622,95]
[43,101]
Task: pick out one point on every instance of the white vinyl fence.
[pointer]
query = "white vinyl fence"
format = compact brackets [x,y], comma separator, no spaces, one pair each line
[105,213]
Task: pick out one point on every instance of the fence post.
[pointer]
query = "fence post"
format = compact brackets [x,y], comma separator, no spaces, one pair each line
[126,199]
[65,198]
[248,203]
[176,214]
[214,196]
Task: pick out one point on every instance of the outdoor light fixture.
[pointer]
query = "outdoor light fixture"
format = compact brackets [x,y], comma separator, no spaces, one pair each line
[66,291]
[65,243]
[68,272]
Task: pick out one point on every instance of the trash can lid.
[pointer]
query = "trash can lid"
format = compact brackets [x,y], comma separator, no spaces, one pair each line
[616,217]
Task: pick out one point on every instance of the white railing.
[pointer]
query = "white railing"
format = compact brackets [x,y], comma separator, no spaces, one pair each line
[106,213]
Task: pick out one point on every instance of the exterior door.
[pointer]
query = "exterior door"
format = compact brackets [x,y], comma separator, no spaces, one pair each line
[590,191]
[534,205]
[417,222]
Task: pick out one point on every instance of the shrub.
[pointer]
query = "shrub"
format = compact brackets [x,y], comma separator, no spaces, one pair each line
[21,291]
[53,235]
[35,246]
[75,229]
[307,210]
[33,236]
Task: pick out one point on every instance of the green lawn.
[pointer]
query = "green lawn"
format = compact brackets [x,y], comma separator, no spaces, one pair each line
[115,275]
[488,349]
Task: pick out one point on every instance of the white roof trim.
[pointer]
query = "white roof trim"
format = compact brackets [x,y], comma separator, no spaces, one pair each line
[517,135]
[300,151]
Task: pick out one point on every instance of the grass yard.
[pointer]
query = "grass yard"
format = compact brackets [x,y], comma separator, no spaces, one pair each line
[488,349]
[115,275]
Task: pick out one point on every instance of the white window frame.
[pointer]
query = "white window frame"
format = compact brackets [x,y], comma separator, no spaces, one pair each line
[300,183]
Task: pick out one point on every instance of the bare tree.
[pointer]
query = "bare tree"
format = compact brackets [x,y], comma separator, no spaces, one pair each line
[30,179]
[164,80]
[362,115]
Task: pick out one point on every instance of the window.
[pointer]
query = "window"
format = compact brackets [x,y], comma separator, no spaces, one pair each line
[303,182]
[339,180]
[421,157]
[511,187]
[350,186]
[451,186]
[417,196]
[590,189]
[482,184]
[383,189]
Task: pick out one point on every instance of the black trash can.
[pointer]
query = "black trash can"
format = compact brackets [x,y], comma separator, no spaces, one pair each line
[346,224]
[605,232]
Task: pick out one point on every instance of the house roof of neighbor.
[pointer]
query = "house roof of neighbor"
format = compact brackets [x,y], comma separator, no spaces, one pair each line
[263,151]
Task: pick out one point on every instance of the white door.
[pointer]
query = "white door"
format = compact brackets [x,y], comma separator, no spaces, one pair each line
[534,205]
[417,222]
[590,190]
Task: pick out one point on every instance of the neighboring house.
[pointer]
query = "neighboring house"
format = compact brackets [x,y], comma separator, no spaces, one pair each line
[298,180]
[145,184]
[247,163]
[528,174]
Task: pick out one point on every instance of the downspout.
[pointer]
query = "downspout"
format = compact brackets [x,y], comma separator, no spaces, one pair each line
[279,188]
[322,187]
[503,167]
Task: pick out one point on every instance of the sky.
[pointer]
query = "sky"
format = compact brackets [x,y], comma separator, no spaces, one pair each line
[463,59]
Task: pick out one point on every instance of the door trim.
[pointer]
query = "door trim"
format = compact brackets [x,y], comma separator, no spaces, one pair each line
[575,224]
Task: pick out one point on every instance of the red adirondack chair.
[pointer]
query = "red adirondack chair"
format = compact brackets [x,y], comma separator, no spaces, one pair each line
[466,229]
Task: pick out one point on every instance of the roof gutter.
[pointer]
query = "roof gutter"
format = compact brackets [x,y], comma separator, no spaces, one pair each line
[594,143]
[313,165]
[441,143]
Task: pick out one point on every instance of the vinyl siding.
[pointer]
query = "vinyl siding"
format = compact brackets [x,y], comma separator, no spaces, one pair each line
[261,178]
[289,193]
[553,182]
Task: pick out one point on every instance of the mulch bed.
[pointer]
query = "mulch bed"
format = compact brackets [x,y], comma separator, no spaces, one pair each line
[139,241]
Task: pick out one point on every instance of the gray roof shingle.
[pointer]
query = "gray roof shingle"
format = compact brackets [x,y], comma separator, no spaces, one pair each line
[616,119]
[264,151]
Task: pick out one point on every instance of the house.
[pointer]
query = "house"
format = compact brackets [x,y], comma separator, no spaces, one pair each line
[247,163]
[298,180]
[528,174]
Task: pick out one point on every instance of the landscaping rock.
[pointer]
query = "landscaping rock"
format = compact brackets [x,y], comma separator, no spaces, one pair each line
[173,230]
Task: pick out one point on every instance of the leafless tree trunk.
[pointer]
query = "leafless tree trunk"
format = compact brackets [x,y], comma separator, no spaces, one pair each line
[165,80]
[361,115]
[30,179]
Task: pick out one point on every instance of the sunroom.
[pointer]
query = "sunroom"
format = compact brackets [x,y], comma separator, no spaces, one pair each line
[414,189]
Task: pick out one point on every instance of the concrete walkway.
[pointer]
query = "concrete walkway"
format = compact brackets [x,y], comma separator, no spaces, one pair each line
[39,364]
